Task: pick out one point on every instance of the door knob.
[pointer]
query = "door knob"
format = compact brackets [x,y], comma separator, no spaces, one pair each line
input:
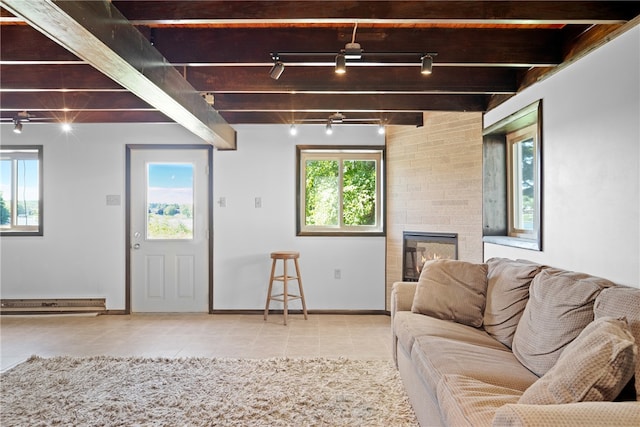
[136,246]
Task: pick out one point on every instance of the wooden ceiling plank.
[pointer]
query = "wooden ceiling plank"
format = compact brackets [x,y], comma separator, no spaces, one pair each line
[99,34]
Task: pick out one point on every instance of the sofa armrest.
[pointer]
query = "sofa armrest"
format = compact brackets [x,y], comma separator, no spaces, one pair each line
[401,300]
[402,296]
[583,414]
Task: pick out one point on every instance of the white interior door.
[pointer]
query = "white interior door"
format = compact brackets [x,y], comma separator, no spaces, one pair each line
[169,230]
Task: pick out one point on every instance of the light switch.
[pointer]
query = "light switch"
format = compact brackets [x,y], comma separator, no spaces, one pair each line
[258,202]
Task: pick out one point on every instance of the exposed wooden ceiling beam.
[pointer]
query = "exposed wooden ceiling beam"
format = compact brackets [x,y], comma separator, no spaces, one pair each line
[235,117]
[99,34]
[293,80]
[455,46]
[365,103]
[513,12]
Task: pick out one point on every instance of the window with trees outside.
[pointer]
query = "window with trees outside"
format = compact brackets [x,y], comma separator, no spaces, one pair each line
[522,167]
[340,190]
[512,180]
[21,190]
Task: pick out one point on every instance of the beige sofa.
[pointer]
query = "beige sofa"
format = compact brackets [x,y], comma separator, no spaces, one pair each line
[510,342]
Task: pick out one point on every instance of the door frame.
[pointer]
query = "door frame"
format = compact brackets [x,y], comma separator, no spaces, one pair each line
[127,197]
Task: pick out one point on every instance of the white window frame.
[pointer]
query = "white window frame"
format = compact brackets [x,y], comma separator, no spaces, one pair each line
[15,153]
[340,154]
[514,177]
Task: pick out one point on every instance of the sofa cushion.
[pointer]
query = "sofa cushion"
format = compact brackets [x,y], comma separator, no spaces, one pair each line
[465,401]
[622,301]
[408,326]
[584,414]
[507,295]
[452,290]
[560,305]
[434,357]
[594,367]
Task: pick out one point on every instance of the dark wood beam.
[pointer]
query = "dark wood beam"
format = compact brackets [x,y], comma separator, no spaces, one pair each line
[294,79]
[99,34]
[371,79]
[54,76]
[242,117]
[345,103]
[180,45]
[388,118]
[72,101]
[436,11]
[87,101]
[453,45]
[91,117]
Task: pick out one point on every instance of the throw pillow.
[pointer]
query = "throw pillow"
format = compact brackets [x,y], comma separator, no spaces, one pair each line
[594,367]
[452,290]
[622,301]
[560,305]
[507,295]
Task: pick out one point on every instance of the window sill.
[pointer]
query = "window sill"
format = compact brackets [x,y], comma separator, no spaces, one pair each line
[515,242]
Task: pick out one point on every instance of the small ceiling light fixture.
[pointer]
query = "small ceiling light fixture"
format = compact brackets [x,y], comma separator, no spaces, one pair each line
[17,126]
[341,64]
[277,69]
[22,116]
[329,128]
[293,130]
[427,64]
[66,127]
[381,129]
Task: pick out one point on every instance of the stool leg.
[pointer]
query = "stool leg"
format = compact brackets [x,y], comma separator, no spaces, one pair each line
[286,291]
[304,305]
[266,309]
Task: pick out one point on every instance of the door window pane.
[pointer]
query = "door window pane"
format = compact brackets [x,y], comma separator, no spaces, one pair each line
[170,201]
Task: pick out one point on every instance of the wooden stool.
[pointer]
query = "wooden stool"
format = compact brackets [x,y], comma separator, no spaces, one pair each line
[285,278]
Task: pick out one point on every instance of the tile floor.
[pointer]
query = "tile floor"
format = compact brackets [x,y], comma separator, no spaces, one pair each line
[185,335]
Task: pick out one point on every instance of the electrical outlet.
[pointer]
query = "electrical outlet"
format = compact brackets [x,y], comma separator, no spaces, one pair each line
[258,202]
[113,200]
[222,201]
[337,273]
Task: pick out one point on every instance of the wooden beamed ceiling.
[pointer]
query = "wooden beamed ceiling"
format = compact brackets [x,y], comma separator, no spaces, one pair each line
[486,52]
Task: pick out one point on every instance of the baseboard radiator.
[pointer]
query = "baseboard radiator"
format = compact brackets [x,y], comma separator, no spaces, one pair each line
[57,305]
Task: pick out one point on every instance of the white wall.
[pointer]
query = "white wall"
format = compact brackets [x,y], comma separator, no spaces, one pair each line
[264,166]
[591,163]
[82,251]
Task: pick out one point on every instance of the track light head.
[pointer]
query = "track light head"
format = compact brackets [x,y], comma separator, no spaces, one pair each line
[277,70]
[293,130]
[329,128]
[17,126]
[427,64]
[381,129]
[341,64]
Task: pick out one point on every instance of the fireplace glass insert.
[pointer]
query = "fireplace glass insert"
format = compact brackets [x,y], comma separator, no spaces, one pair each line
[420,247]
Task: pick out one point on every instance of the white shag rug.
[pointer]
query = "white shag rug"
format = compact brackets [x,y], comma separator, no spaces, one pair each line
[108,391]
